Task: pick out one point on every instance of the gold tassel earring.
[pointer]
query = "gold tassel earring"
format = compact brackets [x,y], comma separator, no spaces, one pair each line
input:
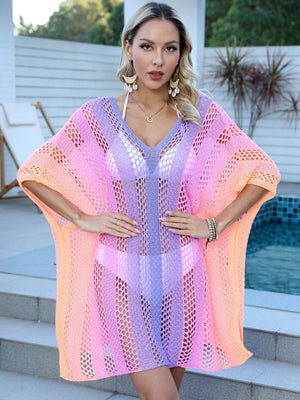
[130,83]
[174,89]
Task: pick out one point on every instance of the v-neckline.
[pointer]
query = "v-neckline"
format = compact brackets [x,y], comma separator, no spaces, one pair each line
[143,145]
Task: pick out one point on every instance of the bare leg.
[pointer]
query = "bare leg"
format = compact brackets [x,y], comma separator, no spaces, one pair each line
[155,384]
[177,373]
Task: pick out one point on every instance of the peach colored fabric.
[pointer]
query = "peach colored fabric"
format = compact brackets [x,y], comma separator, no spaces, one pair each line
[131,304]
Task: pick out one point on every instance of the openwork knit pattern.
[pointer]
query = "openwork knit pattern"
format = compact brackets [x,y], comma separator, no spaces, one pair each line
[131,304]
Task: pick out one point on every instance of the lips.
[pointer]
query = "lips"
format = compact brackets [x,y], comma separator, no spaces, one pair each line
[156,75]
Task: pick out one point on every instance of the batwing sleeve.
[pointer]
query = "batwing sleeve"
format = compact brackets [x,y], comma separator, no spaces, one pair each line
[249,163]
[227,160]
[59,164]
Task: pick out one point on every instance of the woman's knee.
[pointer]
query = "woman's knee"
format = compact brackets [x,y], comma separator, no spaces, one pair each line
[159,394]
[155,384]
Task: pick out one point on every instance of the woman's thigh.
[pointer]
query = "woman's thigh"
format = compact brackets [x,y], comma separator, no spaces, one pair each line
[177,373]
[155,384]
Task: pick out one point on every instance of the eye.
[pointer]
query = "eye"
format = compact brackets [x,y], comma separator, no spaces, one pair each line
[171,48]
[146,46]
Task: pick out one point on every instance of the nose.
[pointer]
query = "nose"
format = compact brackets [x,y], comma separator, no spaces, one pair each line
[158,58]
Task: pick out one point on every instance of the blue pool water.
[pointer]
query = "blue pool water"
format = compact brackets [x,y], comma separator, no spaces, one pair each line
[273,252]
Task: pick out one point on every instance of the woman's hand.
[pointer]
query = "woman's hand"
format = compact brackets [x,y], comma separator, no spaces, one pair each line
[112,223]
[186,224]
[191,225]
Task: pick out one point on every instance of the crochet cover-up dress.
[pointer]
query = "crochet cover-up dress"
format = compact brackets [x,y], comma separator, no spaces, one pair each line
[131,304]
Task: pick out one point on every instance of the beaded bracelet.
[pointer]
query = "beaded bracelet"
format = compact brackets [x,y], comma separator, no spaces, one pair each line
[215,225]
[213,233]
[211,230]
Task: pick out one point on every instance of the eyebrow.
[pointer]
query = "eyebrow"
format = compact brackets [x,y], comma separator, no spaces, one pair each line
[150,41]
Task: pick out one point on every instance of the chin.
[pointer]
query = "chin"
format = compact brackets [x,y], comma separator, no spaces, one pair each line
[156,85]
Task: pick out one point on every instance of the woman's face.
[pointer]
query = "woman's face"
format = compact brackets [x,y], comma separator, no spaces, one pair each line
[155,53]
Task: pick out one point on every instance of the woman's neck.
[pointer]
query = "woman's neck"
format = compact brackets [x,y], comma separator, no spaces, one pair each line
[150,98]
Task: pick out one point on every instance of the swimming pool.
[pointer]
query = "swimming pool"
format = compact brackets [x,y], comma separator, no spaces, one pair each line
[273,252]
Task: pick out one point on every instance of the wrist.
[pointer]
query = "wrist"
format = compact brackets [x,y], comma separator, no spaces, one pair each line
[212,228]
[78,218]
[220,225]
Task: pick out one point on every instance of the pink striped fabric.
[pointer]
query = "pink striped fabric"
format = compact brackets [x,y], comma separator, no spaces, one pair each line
[131,304]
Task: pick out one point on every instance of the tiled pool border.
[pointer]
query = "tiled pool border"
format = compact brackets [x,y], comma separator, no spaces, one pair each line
[277,216]
[279,209]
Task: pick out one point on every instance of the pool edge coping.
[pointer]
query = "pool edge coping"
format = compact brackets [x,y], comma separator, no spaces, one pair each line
[272,300]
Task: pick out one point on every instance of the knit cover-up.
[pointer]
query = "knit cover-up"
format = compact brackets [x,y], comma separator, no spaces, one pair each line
[132,304]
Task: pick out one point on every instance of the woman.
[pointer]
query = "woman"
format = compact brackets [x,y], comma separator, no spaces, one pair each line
[150,197]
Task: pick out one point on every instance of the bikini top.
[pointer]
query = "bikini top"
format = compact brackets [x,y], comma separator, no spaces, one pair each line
[125,107]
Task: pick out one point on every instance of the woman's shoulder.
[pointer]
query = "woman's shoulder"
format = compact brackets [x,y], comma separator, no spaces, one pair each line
[206,101]
[205,104]
[97,105]
[87,109]
[209,108]
[97,100]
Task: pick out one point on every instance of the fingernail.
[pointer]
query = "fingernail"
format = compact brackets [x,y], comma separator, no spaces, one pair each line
[168,212]
[135,223]
[162,219]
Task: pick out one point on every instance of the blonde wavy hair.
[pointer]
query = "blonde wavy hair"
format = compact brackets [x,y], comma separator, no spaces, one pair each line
[188,98]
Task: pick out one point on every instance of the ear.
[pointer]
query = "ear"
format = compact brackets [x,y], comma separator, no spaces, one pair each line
[127,48]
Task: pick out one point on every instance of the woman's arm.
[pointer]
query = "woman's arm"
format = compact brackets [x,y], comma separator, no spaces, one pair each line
[245,200]
[115,224]
[187,224]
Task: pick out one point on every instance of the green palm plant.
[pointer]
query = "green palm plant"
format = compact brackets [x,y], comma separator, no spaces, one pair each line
[259,87]
[292,109]
[231,71]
